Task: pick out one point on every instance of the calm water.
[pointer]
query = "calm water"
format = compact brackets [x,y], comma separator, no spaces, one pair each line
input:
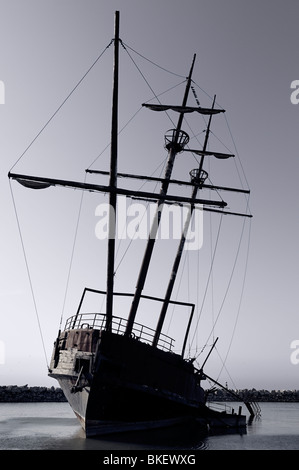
[52,426]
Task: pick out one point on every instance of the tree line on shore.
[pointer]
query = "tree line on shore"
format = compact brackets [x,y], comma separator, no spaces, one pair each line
[15,393]
[19,394]
[254,395]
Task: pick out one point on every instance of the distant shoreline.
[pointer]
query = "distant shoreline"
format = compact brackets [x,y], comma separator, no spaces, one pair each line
[256,395]
[25,394]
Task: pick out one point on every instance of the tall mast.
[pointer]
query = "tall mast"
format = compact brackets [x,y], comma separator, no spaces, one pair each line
[174,148]
[113,181]
[177,260]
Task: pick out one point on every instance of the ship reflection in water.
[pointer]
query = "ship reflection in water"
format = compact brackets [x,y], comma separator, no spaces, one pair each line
[52,426]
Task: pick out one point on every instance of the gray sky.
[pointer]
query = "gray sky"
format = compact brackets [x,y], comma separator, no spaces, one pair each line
[247,55]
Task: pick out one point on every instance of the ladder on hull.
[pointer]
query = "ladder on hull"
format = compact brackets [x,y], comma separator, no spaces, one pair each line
[254,408]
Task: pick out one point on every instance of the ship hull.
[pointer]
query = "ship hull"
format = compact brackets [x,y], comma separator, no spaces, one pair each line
[203,420]
[94,425]
[119,384]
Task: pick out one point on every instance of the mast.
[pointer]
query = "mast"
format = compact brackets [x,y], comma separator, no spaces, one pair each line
[175,146]
[182,243]
[113,181]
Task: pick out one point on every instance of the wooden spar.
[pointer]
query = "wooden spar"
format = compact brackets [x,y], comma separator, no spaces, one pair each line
[156,221]
[23,179]
[210,352]
[179,182]
[177,260]
[39,182]
[204,208]
[234,394]
[113,181]
[140,195]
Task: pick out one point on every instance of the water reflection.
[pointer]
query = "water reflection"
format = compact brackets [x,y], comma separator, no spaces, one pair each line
[190,437]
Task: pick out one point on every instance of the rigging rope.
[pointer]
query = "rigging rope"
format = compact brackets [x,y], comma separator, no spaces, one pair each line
[29,276]
[241,298]
[146,81]
[130,120]
[72,255]
[241,236]
[77,225]
[162,165]
[239,159]
[212,274]
[126,47]
[229,282]
[224,367]
[153,63]
[231,135]
[61,105]
[109,143]
[208,280]
[177,293]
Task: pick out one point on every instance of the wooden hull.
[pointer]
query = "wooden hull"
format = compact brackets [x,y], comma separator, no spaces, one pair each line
[118,384]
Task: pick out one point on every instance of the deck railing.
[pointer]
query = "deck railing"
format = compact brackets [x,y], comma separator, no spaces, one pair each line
[98,321]
[141,332]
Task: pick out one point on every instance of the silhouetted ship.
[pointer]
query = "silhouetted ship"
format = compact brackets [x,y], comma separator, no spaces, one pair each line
[116,374]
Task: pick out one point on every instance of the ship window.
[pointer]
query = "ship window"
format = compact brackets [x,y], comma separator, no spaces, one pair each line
[82,363]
